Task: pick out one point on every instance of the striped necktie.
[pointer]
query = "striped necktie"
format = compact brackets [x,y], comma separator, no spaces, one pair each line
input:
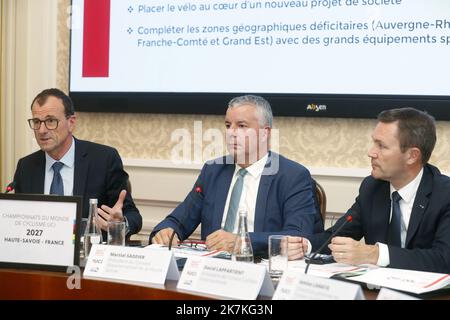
[57,186]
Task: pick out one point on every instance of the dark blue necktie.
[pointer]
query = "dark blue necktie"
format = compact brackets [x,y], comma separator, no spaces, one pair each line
[394,235]
[57,186]
[234,201]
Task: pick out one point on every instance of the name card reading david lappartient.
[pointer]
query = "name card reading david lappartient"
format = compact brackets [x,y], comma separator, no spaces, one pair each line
[295,285]
[131,264]
[224,278]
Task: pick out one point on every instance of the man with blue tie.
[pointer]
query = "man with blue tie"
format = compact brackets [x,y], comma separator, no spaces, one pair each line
[403,208]
[68,166]
[276,192]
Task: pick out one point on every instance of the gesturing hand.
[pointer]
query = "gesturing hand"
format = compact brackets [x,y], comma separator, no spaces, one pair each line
[111,214]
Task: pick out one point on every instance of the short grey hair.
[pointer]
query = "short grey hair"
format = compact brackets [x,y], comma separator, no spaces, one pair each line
[262,106]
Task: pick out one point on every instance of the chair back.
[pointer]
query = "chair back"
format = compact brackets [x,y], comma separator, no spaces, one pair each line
[321,199]
[128,186]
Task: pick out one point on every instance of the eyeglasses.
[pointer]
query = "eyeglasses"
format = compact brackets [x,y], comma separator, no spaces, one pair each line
[193,244]
[50,123]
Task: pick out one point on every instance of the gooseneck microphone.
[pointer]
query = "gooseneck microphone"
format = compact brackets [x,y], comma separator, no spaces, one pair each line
[196,192]
[10,187]
[348,218]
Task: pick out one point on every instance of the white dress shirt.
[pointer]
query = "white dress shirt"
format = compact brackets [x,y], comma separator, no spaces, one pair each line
[408,194]
[249,192]
[67,170]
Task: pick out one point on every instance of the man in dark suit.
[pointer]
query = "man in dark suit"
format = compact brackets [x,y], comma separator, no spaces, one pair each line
[275,191]
[84,169]
[403,208]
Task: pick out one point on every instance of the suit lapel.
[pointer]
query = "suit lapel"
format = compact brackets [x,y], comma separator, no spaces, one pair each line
[261,201]
[38,174]
[81,169]
[268,174]
[420,204]
[224,180]
[223,185]
[380,214]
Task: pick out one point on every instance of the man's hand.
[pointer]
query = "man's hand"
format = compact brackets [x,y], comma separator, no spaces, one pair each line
[297,247]
[111,214]
[349,251]
[163,237]
[221,240]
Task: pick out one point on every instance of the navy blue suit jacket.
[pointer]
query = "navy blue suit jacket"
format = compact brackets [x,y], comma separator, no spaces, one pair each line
[427,246]
[98,173]
[284,203]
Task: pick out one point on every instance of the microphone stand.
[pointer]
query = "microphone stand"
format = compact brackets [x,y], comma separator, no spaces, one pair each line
[197,191]
[349,218]
[10,187]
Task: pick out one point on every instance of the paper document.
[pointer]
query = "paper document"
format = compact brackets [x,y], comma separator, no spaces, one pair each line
[405,280]
[189,251]
[388,294]
[324,270]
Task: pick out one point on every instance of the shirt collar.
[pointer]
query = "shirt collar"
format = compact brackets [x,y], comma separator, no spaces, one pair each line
[408,192]
[68,159]
[255,169]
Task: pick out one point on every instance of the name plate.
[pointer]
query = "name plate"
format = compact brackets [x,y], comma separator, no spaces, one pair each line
[131,264]
[224,278]
[39,231]
[296,285]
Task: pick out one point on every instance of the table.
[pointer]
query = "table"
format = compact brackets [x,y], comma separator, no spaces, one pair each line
[19,284]
[34,285]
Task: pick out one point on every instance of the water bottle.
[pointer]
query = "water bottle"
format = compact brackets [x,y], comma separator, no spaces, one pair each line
[92,234]
[242,250]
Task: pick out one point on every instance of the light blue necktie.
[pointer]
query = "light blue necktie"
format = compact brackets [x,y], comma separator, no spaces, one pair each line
[234,201]
[57,186]
[394,234]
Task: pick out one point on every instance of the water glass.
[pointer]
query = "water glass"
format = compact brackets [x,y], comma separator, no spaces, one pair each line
[116,233]
[278,255]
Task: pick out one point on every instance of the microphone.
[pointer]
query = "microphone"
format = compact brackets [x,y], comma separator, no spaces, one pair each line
[197,191]
[348,218]
[10,187]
